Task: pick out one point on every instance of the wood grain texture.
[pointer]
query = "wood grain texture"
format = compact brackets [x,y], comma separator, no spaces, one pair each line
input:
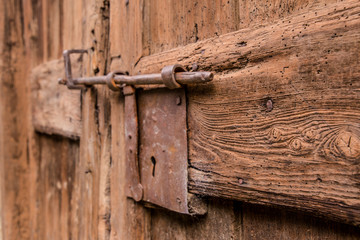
[129,220]
[56,178]
[75,31]
[89,165]
[290,135]
[55,109]
[54,209]
[183,22]
[259,222]
[49,192]
[2,136]
[258,12]
[219,223]
[95,138]
[223,221]
[279,124]
[14,158]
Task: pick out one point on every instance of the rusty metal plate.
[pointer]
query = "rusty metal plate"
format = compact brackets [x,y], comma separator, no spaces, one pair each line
[163,151]
[133,186]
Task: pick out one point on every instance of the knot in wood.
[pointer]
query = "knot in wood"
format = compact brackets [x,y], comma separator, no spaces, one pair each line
[347,145]
[275,135]
[269,105]
[310,135]
[296,144]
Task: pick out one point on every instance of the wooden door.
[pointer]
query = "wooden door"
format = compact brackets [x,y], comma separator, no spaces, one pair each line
[273,140]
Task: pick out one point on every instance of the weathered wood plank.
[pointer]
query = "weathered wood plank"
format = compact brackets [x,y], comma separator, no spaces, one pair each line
[95,138]
[258,12]
[259,222]
[14,158]
[52,31]
[223,221]
[129,220]
[219,223]
[183,22]
[44,32]
[56,178]
[279,124]
[2,136]
[56,110]
[251,46]
[89,168]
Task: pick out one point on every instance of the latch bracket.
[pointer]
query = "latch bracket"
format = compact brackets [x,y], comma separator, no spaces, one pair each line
[155,131]
[163,151]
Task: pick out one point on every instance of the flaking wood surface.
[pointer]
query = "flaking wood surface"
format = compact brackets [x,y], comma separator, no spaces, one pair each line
[280,123]
[56,110]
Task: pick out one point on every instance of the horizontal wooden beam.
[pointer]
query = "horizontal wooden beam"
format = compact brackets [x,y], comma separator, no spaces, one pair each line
[55,108]
[280,124]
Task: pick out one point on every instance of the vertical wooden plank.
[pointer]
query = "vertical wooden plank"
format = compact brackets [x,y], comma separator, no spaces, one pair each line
[52,32]
[72,37]
[95,139]
[219,223]
[89,150]
[33,35]
[56,173]
[13,92]
[129,220]
[44,36]
[2,178]
[43,31]
[72,25]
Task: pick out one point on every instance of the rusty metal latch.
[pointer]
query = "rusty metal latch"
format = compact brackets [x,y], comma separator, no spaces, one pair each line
[173,76]
[155,131]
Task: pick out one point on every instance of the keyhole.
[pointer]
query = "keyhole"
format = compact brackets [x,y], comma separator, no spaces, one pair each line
[153,161]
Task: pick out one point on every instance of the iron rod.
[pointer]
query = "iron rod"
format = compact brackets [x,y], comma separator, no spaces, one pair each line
[181,77]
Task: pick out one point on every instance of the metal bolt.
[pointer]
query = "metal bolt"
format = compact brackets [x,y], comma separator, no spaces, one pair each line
[269,105]
[173,76]
[178,101]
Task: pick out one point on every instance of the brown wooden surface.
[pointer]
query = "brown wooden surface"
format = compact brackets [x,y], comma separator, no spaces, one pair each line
[14,156]
[301,151]
[54,161]
[56,188]
[55,109]
[129,220]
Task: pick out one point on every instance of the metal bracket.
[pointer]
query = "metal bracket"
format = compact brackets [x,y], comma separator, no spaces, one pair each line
[173,76]
[67,61]
[134,188]
[155,131]
[163,152]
